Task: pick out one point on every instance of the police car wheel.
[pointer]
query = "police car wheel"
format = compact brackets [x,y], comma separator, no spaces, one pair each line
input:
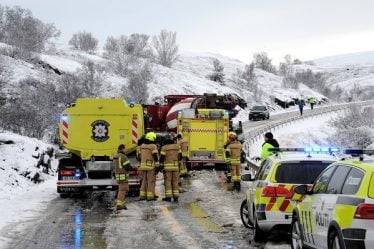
[335,241]
[258,234]
[296,235]
[244,214]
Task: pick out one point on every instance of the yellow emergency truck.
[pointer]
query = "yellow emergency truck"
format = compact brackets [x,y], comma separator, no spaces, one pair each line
[91,130]
[206,131]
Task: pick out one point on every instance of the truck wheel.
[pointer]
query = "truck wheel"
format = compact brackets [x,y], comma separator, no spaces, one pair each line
[244,214]
[64,195]
[188,166]
[220,166]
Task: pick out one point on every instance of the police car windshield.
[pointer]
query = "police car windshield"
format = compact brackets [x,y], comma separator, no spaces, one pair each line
[259,108]
[299,172]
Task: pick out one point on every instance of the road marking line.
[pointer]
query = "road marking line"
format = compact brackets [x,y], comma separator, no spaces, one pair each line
[203,219]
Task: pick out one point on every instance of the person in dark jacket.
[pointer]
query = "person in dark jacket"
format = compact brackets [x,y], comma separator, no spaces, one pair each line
[270,142]
[301,106]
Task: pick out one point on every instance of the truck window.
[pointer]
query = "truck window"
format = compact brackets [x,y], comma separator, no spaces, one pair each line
[299,172]
[353,182]
[337,180]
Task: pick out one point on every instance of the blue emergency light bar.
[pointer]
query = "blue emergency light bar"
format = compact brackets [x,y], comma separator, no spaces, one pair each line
[327,150]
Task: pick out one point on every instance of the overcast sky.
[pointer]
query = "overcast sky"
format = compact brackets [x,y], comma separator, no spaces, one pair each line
[236,28]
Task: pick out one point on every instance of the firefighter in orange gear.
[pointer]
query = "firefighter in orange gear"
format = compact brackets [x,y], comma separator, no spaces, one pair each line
[148,157]
[183,144]
[170,158]
[122,166]
[233,153]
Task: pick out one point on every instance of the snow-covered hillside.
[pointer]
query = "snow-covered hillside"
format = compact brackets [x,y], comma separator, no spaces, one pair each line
[347,71]
[187,76]
[361,58]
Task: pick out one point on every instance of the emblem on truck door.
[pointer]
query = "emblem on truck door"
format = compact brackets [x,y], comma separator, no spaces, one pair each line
[100,130]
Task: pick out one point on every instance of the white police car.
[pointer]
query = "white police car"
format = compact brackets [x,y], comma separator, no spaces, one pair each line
[338,212]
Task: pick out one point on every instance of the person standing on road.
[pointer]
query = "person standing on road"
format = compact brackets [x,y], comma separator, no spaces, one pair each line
[122,166]
[312,102]
[170,158]
[183,144]
[233,153]
[270,142]
[148,157]
[301,106]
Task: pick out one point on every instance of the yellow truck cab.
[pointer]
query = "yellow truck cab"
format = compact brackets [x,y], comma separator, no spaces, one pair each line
[338,212]
[206,131]
[91,130]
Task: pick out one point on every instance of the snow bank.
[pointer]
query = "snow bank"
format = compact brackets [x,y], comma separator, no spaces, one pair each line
[20,198]
[304,133]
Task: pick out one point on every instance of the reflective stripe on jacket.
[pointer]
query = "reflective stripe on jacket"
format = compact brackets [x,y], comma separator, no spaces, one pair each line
[120,161]
[147,155]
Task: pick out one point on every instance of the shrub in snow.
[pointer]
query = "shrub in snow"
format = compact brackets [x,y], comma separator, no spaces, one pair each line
[90,79]
[166,48]
[24,32]
[84,41]
[126,51]
[262,61]
[217,74]
[355,128]
[138,79]
[33,111]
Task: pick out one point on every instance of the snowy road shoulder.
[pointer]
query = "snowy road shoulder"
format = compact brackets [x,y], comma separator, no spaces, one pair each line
[17,212]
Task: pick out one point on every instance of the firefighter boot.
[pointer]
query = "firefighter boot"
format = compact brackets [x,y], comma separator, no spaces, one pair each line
[167,199]
[175,199]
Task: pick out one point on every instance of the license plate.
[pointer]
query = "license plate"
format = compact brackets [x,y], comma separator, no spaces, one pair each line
[68,178]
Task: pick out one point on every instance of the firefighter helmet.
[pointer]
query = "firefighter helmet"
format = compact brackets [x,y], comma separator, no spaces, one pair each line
[232,135]
[151,136]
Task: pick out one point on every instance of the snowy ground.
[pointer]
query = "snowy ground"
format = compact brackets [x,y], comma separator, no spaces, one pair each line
[20,198]
[312,131]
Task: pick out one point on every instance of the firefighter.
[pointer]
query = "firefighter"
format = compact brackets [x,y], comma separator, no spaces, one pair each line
[170,158]
[122,166]
[233,153]
[228,175]
[183,144]
[148,157]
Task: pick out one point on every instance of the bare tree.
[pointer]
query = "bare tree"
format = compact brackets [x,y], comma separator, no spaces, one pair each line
[84,41]
[217,74]
[125,52]
[27,34]
[138,80]
[262,61]
[91,77]
[165,45]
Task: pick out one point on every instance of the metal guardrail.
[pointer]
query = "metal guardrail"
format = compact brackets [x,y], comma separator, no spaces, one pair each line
[257,133]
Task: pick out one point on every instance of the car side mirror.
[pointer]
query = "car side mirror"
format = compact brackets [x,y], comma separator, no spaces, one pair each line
[302,189]
[247,178]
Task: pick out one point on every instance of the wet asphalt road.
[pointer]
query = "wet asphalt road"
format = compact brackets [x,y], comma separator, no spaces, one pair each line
[207,216]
